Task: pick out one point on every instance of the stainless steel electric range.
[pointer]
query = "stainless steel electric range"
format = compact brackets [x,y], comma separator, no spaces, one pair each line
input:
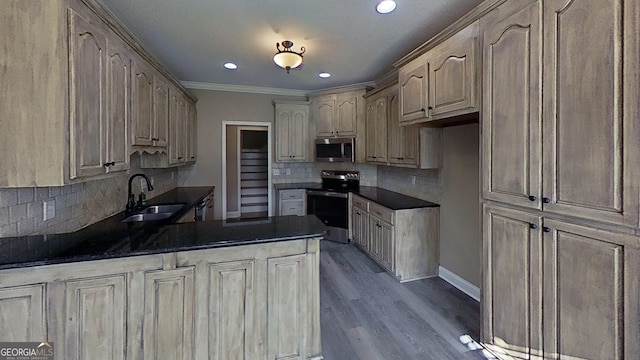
[330,202]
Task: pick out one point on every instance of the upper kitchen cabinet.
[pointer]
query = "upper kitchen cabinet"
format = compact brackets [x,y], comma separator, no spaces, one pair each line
[442,84]
[177,127]
[376,134]
[336,115]
[292,131]
[191,132]
[150,107]
[511,121]
[579,156]
[90,93]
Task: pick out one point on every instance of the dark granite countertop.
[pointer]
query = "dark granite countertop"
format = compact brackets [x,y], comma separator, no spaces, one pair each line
[111,238]
[387,198]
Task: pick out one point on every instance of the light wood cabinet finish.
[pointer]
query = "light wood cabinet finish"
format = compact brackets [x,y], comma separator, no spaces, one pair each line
[100,98]
[23,313]
[512,300]
[404,242]
[169,316]
[292,137]
[377,114]
[512,151]
[292,202]
[561,131]
[414,89]
[96,317]
[403,145]
[143,105]
[249,301]
[177,127]
[453,69]
[336,115]
[191,136]
[161,112]
[591,106]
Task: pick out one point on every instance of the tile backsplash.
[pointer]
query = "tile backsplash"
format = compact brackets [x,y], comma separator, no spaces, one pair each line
[310,172]
[77,205]
[421,184]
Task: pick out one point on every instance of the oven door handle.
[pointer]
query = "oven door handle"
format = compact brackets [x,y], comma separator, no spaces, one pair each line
[328,194]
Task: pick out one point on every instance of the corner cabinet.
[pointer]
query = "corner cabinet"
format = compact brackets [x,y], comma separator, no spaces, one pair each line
[442,83]
[292,131]
[560,180]
[404,242]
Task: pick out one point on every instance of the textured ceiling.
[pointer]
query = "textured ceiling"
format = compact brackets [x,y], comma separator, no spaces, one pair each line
[347,38]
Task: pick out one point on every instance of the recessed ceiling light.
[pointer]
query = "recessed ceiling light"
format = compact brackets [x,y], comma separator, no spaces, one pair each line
[324,75]
[386,6]
[230,66]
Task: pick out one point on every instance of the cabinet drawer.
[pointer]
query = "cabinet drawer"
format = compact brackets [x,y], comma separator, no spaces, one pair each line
[381,212]
[292,194]
[360,203]
[292,207]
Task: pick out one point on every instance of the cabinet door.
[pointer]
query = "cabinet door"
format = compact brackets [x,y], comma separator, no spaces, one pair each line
[591,109]
[371,140]
[96,318]
[375,238]
[298,140]
[347,115]
[118,103]
[413,94]
[177,113]
[452,76]
[192,134]
[232,319]
[87,48]
[511,141]
[511,299]
[359,227]
[403,140]
[381,130]
[288,307]
[142,105]
[325,110]
[23,313]
[283,119]
[168,314]
[161,112]
[591,297]
[387,246]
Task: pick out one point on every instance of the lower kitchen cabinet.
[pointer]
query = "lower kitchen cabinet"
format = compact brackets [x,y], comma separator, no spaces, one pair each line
[292,202]
[168,314]
[258,301]
[405,242]
[587,304]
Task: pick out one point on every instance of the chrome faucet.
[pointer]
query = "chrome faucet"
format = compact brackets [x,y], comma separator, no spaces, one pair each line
[131,198]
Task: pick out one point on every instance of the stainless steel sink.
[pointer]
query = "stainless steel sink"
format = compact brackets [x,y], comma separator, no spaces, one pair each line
[147,217]
[156,209]
[155,212]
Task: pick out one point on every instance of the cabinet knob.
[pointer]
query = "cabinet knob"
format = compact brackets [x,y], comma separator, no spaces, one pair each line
[546,200]
[430,107]
[179,157]
[532,198]
[546,229]
[533,226]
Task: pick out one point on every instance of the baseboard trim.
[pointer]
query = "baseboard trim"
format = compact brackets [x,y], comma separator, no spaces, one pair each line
[459,283]
[233,214]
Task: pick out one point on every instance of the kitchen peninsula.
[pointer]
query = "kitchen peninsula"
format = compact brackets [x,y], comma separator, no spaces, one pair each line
[221,289]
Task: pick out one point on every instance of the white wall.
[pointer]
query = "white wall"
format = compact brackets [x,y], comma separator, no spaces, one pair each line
[214,107]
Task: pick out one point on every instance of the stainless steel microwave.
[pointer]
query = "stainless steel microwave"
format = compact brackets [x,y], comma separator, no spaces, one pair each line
[335,150]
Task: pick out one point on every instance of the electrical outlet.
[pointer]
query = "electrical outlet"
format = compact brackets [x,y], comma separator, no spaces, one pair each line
[48,209]
[413,179]
[276,172]
[288,172]
[152,180]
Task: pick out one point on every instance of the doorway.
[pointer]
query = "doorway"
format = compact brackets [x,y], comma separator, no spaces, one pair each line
[247,170]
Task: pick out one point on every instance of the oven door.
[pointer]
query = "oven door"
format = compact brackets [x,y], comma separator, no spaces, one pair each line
[332,208]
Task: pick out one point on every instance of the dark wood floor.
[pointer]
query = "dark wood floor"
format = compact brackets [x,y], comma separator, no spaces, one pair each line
[366,314]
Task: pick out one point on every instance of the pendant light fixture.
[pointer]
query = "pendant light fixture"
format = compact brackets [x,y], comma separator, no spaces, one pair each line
[287,58]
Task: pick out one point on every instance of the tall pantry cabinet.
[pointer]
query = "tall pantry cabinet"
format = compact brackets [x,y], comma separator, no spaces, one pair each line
[560,158]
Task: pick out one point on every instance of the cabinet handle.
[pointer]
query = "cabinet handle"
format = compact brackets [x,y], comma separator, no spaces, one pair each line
[546,200]
[430,107]
[179,157]
[107,164]
[193,157]
[546,229]
[532,198]
[422,109]
[533,226]
[155,139]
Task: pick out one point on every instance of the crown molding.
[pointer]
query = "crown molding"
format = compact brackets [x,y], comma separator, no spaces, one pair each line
[243,89]
[352,87]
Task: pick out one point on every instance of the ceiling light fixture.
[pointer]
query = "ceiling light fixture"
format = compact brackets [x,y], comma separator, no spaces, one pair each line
[324,75]
[230,66]
[386,6]
[287,58]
